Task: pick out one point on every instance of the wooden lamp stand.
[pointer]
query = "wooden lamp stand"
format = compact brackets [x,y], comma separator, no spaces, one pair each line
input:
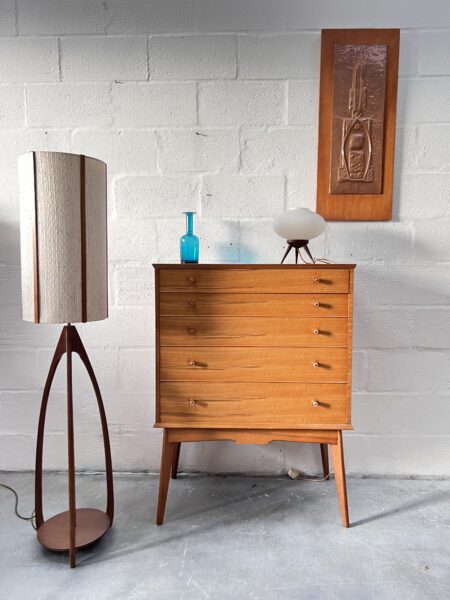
[77,527]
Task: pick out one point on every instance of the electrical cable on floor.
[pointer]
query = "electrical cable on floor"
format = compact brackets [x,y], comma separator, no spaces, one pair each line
[296,474]
[16,507]
[312,479]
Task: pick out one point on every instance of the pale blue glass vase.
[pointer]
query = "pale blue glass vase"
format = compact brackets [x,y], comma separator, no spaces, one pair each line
[189,246]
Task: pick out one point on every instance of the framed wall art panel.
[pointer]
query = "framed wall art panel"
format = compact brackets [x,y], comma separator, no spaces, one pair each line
[357,113]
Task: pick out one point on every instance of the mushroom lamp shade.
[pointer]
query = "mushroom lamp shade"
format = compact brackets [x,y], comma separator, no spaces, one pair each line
[64,280]
[63,238]
[298,226]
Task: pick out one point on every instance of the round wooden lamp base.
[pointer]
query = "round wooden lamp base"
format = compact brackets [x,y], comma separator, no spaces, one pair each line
[91,525]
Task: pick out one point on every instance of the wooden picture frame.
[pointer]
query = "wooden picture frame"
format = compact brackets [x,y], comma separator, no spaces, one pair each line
[357,116]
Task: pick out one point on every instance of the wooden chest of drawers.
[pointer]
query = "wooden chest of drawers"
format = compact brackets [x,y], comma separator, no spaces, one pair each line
[253,353]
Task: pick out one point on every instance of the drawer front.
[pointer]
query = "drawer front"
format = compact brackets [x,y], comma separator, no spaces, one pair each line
[312,281]
[253,331]
[251,404]
[209,364]
[186,304]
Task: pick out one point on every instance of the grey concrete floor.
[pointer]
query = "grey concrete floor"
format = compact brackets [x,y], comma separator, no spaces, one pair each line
[237,538]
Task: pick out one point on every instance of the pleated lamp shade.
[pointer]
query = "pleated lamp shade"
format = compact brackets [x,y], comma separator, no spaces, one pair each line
[63,238]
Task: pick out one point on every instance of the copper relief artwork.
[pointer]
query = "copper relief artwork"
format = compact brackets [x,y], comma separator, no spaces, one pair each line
[358,115]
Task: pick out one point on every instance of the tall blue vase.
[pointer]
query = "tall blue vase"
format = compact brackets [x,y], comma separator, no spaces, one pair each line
[189,246]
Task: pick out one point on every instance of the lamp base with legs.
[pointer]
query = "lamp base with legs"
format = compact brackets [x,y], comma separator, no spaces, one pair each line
[75,528]
[297,244]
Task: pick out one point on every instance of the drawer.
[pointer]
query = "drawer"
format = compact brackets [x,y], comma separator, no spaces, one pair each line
[253,305]
[187,404]
[253,280]
[213,364]
[253,331]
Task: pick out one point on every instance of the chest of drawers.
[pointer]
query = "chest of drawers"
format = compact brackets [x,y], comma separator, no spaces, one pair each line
[253,354]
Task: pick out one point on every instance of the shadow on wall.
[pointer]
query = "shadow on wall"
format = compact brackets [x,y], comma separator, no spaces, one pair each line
[10,294]
[13,330]
[401,144]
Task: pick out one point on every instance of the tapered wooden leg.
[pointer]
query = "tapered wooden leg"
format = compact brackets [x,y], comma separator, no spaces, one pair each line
[337,455]
[70,453]
[59,353]
[167,456]
[325,463]
[176,459]
[77,346]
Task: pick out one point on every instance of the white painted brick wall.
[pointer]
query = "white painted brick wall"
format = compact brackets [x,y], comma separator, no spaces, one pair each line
[104,58]
[287,56]
[192,57]
[240,103]
[68,105]
[154,104]
[199,150]
[28,59]
[212,105]
[222,196]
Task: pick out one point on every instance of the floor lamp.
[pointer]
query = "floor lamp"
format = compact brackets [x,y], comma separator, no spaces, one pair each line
[65,280]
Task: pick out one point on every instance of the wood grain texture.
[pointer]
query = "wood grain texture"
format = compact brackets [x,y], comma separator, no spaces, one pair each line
[350,347]
[178,304]
[356,207]
[203,364]
[255,280]
[253,436]
[235,361]
[254,331]
[167,456]
[337,455]
[251,404]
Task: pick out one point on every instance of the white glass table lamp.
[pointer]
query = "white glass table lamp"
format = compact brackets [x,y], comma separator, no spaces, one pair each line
[298,226]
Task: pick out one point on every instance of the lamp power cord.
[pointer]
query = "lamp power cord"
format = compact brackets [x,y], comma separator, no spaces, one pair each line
[16,506]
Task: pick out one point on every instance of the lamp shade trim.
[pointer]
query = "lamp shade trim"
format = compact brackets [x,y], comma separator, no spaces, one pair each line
[35,247]
[83,237]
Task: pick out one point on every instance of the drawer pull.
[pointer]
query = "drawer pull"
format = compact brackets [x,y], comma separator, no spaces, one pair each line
[315,403]
[316,304]
[191,402]
[192,330]
[190,304]
[316,279]
[192,363]
[315,365]
[316,331]
[190,280]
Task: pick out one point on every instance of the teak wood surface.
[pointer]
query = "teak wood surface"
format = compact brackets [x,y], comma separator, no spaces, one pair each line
[215,364]
[356,207]
[253,354]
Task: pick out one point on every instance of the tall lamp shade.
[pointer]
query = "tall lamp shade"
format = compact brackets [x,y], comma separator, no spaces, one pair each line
[65,280]
[63,238]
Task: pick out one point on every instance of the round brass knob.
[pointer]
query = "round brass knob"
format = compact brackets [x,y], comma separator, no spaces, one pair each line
[315,365]
[190,279]
[192,402]
[316,331]
[315,403]
[192,363]
[316,279]
[316,304]
[192,330]
[191,304]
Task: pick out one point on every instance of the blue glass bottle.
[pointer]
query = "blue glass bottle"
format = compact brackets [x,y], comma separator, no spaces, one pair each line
[189,247]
